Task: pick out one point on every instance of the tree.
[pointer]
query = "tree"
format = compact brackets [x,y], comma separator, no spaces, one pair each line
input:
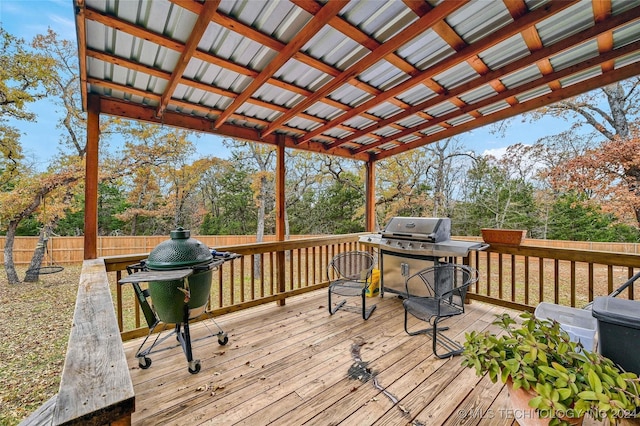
[574,218]
[26,199]
[160,177]
[403,189]
[496,197]
[611,111]
[228,199]
[260,160]
[610,172]
[444,171]
[27,76]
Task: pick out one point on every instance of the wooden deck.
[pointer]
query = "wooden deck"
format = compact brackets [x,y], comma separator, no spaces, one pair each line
[290,366]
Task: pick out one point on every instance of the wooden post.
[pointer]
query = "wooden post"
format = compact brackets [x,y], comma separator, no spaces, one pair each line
[280,212]
[370,197]
[91,179]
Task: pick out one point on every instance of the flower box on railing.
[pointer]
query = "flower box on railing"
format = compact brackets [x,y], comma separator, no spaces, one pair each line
[513,237]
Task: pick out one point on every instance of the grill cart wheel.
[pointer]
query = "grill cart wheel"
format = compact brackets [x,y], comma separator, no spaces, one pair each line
[196,367]
[144,362]
[223,339]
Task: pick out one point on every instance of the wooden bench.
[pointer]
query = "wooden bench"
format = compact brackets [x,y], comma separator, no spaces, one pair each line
[95,388]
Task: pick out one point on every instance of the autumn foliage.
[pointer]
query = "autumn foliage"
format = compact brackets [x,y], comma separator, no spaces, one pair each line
[608,175]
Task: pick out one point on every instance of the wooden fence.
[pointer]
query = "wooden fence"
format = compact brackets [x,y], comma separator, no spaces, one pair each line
[68,250]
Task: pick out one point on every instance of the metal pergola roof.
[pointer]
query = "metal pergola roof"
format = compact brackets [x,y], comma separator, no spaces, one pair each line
[363,79]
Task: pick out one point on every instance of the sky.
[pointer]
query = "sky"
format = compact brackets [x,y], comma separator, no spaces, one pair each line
[27,18]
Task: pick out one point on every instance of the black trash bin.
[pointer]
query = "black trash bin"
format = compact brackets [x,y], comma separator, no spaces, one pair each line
[619,331]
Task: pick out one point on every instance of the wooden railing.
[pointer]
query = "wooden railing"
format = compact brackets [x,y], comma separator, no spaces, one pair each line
[70,250]
[516,277]
[95,387]
[521,277]
[265,272]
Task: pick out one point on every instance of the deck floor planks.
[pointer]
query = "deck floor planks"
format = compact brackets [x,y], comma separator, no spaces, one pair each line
[476,404]
[400,377]
[296,370]
[225,361]
[254,370]
[289,365]
[413,377]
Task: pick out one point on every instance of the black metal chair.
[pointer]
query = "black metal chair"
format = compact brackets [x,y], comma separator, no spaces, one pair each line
[446,288]
[349,274]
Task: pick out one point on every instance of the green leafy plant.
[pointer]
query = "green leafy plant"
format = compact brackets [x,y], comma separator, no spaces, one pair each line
[567,380]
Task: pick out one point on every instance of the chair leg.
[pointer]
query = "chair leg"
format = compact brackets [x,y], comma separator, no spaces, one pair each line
[454,348]
[333,310]
[428,331]
[366,313]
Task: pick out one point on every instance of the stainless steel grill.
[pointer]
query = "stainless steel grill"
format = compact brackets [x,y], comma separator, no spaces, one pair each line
[409,244]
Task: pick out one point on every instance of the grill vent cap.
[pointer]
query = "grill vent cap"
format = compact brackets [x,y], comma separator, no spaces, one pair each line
[181,251]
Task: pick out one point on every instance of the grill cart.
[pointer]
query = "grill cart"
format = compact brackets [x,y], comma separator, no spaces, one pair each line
[178,272]
[409,244]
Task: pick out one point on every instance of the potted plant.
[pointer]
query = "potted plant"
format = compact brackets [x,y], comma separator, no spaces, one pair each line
[564,380]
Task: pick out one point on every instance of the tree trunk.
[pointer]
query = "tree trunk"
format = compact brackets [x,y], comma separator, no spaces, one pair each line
[9,266]
[33,272]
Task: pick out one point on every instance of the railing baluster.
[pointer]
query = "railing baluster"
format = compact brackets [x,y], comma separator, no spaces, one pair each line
[540,279]
[261,274]
[556,281]
[590,281]
[271,274]
[513,278]
[242,284]
[136,305]
[119,301]
[610,278]
[313,254]
[220,287]
[476,256]
[253,277]
[488,274]
[573,283]
[526,280]
[291,263]
[500,276]
[299,254]
[232,286]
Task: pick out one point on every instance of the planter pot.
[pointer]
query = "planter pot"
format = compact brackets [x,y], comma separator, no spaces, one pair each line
[511,237]
[629,421]
[527,416]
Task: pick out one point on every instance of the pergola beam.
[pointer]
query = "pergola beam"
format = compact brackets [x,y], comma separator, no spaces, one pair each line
[128,110]
[209,9]
[552,97]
